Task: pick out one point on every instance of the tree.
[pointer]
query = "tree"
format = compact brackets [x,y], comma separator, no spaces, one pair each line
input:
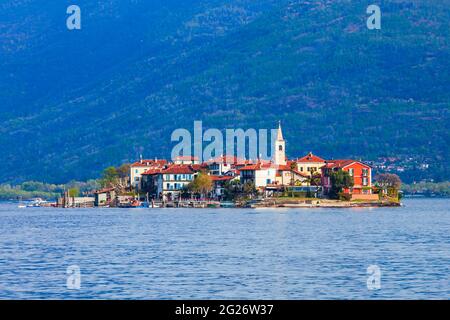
[235,190]
[74,192]
[388,180]
[202,184]
[389,183]
[315,179]
[123,173]
[340,180]
[232,190]
[109,177]
[249,189]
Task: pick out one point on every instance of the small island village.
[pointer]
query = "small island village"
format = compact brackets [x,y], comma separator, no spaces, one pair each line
[228,181]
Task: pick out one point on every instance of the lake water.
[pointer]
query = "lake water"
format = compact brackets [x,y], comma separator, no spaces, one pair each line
[226,253]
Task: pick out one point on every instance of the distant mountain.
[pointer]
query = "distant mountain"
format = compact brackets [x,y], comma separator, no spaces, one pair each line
[74,102]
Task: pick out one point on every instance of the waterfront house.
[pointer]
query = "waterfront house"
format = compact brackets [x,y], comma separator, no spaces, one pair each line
[219,185]
[286,175]
[149,182]
[141,166]
[310,164]
[104,197]
[172,181]
[221,165]
[359,171]
[259,174]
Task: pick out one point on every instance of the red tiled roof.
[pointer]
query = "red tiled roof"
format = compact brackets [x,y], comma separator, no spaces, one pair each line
[178,169]
[198,167]
[310,158]
[342,163]
[153,171]
[288,168]
[149,163]
[104,190]
[300,173]
[221,178]
[257,166]
[251,167]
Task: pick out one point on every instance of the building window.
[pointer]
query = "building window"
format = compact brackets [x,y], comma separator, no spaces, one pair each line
[351,172]
[280,147]
[365,181]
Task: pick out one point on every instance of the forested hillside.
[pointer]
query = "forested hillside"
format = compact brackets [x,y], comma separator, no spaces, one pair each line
[74,102]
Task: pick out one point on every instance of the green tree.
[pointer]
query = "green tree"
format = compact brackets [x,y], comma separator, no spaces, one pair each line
[201,184]
[340,180]
[249,190]
[232,190]
[109,177]
[74,192]
[123,173]
[315,179]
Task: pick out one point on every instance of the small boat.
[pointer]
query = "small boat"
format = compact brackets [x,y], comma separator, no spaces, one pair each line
[227,204]
[35,203]
[132,204]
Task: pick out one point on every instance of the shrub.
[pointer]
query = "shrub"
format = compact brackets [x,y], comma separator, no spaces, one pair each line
[345,196]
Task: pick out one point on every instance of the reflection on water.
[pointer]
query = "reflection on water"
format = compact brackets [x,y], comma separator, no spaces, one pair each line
[226,253]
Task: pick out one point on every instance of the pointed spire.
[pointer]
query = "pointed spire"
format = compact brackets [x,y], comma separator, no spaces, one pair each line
[279,133]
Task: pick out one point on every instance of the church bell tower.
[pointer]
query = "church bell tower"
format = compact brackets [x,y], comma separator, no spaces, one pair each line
[280,146]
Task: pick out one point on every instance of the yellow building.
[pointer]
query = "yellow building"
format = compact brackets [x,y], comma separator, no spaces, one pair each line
[310,164]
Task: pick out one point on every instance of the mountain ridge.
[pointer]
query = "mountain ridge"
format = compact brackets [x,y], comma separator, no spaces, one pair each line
[340,89]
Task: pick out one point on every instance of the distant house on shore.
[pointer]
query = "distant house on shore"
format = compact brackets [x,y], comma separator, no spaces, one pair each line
[104,197]
[141,166]
[359,171]
[259,174]
[290,176]
[169,182]
[221,165]
[310,164]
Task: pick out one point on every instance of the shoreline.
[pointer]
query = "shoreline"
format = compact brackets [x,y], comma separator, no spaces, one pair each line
[322,203]
[251,204]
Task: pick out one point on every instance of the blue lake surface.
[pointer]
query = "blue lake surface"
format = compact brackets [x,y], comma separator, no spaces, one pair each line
[226,253]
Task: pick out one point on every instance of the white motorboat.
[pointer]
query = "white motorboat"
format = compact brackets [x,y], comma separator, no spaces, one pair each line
[37,202]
